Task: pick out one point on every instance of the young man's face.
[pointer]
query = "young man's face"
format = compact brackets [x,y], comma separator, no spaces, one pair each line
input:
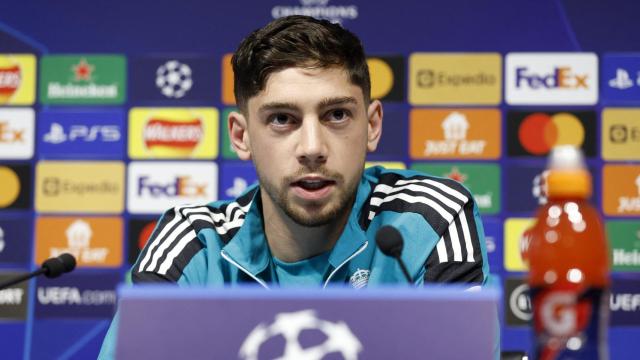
[308,133]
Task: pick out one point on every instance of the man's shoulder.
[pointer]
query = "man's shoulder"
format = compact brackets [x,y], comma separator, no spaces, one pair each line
[184,230]
[434,199]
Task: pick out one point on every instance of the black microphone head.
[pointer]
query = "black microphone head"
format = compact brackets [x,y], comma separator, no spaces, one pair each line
[390,241]
[57,266]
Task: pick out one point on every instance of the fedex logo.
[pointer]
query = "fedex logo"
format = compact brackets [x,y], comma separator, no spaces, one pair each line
[181,186]
[155,186]
[551,79]
[561,77]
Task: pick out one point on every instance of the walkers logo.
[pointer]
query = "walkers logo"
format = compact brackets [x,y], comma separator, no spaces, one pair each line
[17,128]
[447,78]
[483,180]
[81,134]
[173,79]
[17,79]
[80,186]
[14,300]
[15,239]
[235,179]
[458,134]
[535,133]
[93,241]
[518,309]
[154,187]
[513,230]
[77,295]
[319,9]
[621,134]
[82,80]
[624,302]
[621,77]
[551,79]
[171,133]
[624,240]
[139,233]
[15,191]
[387,77]
[621,190]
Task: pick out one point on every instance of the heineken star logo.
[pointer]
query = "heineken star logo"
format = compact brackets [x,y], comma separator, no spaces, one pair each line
[83,70]
[456,175]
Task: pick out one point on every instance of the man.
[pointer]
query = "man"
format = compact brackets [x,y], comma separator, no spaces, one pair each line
[306,121]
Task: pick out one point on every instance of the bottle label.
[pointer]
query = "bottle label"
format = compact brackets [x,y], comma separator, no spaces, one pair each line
[569,324]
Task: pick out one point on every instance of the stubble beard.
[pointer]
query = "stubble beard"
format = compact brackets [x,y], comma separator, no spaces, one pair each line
[337,208]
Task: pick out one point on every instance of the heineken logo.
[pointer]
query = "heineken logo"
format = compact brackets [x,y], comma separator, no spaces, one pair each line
[83,79]
[83,70]
[482,179]
[624,238]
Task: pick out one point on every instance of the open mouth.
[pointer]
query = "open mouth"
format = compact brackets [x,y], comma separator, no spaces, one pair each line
[313,184]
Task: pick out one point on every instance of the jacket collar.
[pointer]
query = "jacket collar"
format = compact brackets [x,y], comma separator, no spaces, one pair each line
[249,248]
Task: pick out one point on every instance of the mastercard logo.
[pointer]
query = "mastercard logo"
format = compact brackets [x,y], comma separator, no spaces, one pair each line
[539,132]
[10,188]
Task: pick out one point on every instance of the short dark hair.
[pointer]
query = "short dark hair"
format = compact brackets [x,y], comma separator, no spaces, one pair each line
[296,41]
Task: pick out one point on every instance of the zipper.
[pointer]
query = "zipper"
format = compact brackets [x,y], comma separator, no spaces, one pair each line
[226,257]
[361,249]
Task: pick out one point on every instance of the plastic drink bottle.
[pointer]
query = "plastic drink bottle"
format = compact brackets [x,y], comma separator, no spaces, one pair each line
[569,265]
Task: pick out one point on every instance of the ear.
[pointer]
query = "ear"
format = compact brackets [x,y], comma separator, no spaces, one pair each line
[374,130]
[239,135]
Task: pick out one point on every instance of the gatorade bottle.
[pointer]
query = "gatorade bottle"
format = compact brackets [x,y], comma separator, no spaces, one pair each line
[568,265]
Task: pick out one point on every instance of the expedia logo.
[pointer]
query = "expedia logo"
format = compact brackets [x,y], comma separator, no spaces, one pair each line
[431,78]
[184,135]
[447,78]
[181,186]
[79,186]
[54,186]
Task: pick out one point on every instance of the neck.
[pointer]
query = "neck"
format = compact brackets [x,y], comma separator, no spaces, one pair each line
[290,241]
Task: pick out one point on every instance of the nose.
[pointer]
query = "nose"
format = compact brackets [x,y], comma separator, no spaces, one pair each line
[312,147]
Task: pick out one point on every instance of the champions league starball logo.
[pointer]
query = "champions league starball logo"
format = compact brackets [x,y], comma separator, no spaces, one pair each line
[339,340]
[174,79]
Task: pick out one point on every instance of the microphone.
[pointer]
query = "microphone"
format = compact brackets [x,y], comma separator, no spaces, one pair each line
[390,242]
[51,268]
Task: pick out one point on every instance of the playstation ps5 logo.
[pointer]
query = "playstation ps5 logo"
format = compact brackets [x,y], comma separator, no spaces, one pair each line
[623,81]
[104,133]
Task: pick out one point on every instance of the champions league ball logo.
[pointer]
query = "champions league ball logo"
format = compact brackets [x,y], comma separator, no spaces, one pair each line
[174,79]
[339,340]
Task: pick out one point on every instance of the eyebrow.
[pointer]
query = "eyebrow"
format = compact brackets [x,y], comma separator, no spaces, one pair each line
[277,105]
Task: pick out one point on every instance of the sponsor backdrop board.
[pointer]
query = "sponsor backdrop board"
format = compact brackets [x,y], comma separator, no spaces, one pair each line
[117,115]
